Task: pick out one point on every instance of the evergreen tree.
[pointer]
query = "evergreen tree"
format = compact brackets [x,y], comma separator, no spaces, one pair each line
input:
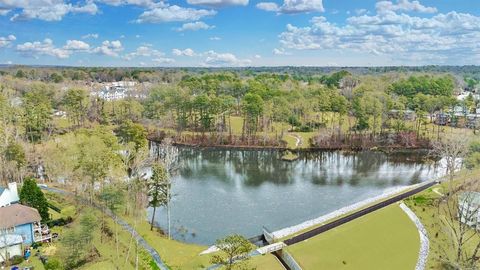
[31,195]
[158,189]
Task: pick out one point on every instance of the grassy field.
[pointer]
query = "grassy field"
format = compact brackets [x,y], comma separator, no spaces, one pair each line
[425,207]
[179,255]
[385,239]
[176,254]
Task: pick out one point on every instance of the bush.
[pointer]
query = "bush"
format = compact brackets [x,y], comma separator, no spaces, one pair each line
[54,208]
[303,128]
[59,222]
[53,264]
[16,260]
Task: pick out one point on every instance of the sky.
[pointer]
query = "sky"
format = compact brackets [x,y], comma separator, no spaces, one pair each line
[232,33]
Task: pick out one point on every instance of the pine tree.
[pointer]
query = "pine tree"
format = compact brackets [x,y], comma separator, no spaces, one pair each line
[158,187]
[31,195]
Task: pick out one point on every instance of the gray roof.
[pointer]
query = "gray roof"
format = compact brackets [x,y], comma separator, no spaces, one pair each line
[17,214]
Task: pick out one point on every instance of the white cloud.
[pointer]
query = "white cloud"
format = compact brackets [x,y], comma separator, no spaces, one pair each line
[257,56]
[403,5]
[361,11]
[215,38]
[47,10]
[162,60]
[187,52]
[144,51]
[109,48]
[442,37]
[280,51]
[4,12]
[195,26]
[140,3]
[45,47]
[215,59]
[218,3]
[293,6]
[76,45]
[87,36]
[268,6]
[6,41]
[173,14]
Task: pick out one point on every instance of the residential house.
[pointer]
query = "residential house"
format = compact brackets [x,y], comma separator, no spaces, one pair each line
[19,224]
[407,115]
[442,119]
[473,121]
[116,90]
[10,246]
[9,195]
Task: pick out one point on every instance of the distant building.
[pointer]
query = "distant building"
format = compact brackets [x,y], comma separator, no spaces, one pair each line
[407,115]
[117,90]
[59,114]
[469,209]
[473,121]
[19,224]
[112,94]
[442,119]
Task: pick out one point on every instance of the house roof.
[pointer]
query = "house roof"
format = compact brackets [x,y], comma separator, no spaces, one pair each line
[10,240]
[17,214]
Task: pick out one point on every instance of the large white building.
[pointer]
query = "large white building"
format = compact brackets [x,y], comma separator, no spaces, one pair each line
[116,90]
[469,208]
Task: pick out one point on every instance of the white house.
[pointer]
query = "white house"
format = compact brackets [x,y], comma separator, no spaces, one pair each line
[469,208]
[10,245]
[112,94]
[9,195]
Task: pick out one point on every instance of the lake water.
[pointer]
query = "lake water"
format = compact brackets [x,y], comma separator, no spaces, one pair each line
[220,192]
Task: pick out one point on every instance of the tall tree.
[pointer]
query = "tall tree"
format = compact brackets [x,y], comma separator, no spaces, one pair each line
[37,105]
[31,195]
[252,109]
[75,102]
[158,185]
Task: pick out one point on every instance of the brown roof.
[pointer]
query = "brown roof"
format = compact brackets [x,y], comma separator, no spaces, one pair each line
[17,214]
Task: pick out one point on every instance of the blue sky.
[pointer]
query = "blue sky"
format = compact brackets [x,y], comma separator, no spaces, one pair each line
[239,32]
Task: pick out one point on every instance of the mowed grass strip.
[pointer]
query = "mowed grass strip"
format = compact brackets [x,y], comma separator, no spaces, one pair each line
[385,239]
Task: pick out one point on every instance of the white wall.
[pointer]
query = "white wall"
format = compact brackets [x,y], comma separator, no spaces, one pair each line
[9,195]
[15,250]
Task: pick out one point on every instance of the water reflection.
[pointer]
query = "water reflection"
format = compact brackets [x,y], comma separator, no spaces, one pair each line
[230,191]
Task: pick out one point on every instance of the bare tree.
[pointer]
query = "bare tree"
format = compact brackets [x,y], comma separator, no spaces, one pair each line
[453,149]
[168,157]
[458,218]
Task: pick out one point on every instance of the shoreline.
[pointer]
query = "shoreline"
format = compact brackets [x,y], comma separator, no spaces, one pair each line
[292,230]
[389,150]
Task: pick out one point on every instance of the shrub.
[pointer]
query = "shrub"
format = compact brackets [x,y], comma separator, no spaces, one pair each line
[59,222]
[53,264]
[16,260]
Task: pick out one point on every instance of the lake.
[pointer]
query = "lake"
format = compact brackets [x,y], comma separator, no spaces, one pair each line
[220,192]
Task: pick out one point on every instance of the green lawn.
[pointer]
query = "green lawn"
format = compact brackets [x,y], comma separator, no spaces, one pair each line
[266,262]
[425,206]
[385,239]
